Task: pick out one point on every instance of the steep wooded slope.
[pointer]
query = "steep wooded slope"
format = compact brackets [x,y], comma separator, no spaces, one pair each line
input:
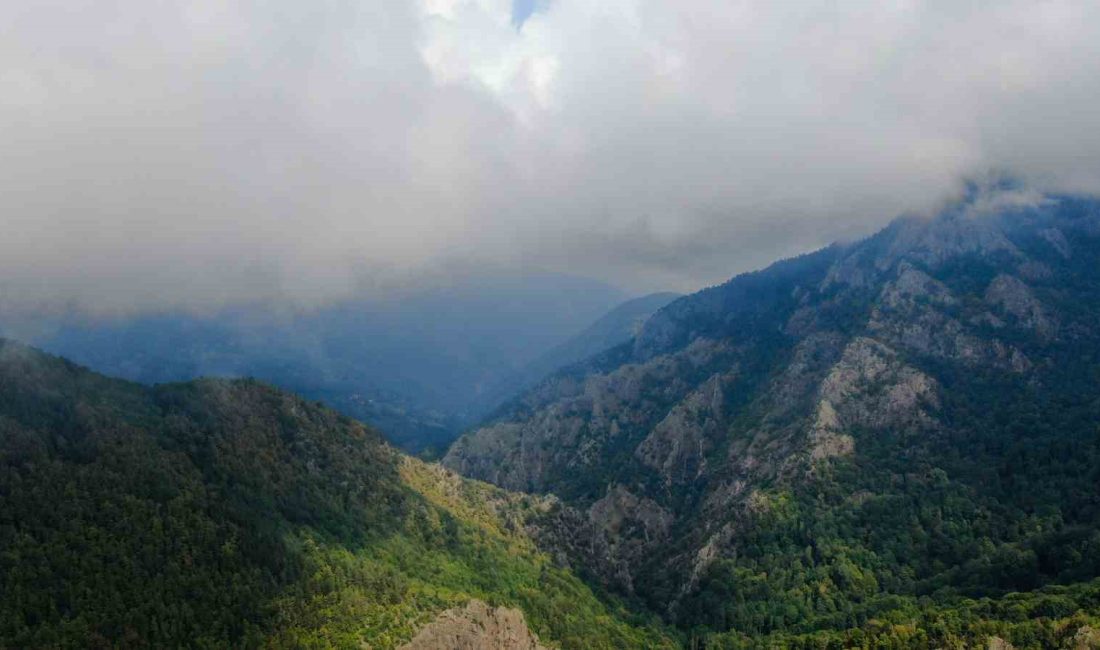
[230,514]
[840,437]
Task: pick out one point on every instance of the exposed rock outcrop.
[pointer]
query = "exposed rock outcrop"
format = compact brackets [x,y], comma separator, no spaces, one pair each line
[477,626]
[624,516]
[1085,638]
[1017,299]
[664,452]
[869,388]
[1057,239]
[678,445]
[917,313]
[574,422]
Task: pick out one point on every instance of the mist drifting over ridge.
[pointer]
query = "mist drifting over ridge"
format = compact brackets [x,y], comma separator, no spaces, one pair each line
[192,155]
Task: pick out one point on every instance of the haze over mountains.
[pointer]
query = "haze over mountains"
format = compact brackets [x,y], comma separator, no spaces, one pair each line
[420,365]
[616,326]
[358,346]
[890,443]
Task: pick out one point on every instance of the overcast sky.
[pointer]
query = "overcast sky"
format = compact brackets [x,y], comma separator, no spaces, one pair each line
[158,154]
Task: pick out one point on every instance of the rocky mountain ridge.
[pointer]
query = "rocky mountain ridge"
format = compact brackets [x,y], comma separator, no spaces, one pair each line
[671,450]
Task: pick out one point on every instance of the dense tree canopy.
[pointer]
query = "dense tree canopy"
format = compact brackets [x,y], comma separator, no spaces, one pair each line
[217,513]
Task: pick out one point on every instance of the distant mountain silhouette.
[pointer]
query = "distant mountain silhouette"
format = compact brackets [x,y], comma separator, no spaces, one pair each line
[420,366]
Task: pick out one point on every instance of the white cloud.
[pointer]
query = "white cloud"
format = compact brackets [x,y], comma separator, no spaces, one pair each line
[192,153]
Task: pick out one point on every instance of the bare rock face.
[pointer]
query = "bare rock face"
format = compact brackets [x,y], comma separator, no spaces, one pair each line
[624,516]
[997,643]
[1017,299]
[869,387]
[1057,239]
[573,422]
[678,445]
[914,313]
[489,454]
[796,385]
[909,314]
[576,539]
[913,286]
[477,626]
[1085,638]
[827,438]
[930,242]
[935,241]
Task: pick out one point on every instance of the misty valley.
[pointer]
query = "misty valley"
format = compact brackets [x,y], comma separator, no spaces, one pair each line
[549,325]
[888,443]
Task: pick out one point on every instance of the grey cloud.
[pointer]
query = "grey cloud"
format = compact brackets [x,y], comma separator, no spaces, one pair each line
[195,153]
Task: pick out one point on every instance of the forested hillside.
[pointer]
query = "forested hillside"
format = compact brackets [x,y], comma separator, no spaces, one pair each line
[890,442]
[230,514]
[894,443]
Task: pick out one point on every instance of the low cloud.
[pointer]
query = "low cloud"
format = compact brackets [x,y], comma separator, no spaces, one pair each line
[191,154]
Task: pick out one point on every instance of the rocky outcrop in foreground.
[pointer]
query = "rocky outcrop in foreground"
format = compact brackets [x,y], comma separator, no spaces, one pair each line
[477,626]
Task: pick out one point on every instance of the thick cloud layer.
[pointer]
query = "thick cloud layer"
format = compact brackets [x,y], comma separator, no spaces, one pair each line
[188,154]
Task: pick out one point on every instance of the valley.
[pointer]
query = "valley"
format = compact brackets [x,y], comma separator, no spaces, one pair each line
[890,443]
[549,325]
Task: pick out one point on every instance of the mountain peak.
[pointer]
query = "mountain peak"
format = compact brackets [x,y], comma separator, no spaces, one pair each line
[868,377]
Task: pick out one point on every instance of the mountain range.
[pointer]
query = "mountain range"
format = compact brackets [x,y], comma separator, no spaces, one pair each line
[887,443]
[889,439]
[421,365]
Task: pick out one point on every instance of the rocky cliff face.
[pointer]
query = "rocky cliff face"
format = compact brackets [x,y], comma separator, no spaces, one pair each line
[477,626]
[668,447]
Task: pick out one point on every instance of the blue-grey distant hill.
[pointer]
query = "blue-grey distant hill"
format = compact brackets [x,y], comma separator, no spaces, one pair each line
[420,367]
[614,328]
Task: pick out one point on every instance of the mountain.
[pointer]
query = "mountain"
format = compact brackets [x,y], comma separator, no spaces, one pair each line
[226,513]
[613,328]
[888,443]
[420,365]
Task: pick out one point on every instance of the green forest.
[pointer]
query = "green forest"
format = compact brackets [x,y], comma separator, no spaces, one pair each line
[227,513]
[222,514]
